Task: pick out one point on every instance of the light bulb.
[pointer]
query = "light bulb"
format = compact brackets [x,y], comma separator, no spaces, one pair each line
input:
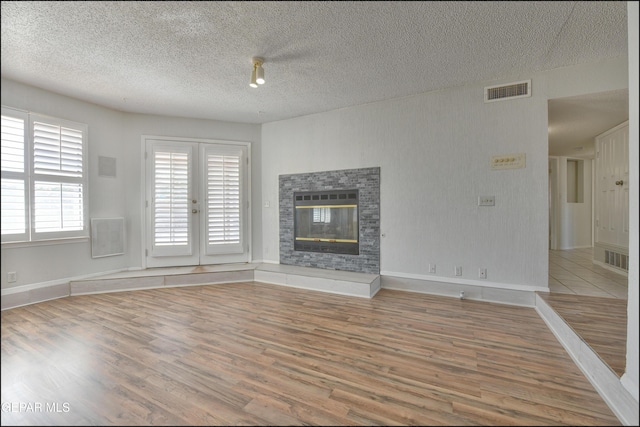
[253,83]
[260,75]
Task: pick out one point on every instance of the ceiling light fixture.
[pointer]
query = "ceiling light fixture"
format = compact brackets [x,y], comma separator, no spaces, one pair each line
[257,75]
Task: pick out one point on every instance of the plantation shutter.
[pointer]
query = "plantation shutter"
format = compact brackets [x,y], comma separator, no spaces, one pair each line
[224,199]
[44,177]
[171,216]
[58,157]
[14,176]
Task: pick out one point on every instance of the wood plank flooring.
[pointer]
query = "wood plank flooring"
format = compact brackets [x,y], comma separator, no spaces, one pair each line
[600,321]
[257,354]
[592,301]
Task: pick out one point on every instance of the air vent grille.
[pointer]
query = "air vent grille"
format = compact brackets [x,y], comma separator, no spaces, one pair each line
[508,91]
[616,259]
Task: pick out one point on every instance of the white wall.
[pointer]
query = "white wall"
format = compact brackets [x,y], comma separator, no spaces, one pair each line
[630,377]
[434,151]
[36,264]
[575,226]
[112,134]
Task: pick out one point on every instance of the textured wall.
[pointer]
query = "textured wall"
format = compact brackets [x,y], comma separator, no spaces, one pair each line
[434,152]
[367,181]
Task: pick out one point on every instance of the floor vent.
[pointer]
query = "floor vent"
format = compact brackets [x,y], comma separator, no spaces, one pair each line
[509,91]
[617,260]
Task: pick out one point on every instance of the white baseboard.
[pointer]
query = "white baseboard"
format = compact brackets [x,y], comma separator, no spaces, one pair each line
[473,289]
[33,293]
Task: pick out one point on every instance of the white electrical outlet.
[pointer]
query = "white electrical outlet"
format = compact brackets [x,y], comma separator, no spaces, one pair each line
[432,268]
[486,200]
[458,271]
[482,273]
[11,277]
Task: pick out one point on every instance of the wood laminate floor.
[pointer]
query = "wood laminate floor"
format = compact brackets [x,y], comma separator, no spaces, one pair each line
[257,354]
[600,322]
[593,301]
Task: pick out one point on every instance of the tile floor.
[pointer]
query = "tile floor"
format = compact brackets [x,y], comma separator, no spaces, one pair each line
[573,272]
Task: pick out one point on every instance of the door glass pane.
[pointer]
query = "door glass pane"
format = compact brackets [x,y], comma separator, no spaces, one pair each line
[171,199]
[223,199]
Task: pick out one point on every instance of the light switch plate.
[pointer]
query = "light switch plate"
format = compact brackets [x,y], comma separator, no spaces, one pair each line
[509,161]
[486,200]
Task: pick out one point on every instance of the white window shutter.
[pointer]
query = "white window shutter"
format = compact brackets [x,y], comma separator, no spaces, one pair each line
[224,203]
[171,201]
[44,177]
[14,176]
[59,183]
[13,207]
[57,150]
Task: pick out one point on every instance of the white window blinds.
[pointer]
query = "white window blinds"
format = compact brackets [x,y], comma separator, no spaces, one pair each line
[224,195]
[57,150]
[322,215]
[58,169]
[171,198]
[14,219]
[44,177]
[223,199]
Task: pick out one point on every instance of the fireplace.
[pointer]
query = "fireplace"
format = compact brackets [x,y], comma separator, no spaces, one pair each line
[364,183]
[326,221]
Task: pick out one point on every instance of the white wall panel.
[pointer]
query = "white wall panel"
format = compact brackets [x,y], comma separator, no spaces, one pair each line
[434,151]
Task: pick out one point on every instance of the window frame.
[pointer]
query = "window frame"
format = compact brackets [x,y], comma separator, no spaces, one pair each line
[29,177]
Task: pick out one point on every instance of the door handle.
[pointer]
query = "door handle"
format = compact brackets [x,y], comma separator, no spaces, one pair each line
[194,210]
[619,182]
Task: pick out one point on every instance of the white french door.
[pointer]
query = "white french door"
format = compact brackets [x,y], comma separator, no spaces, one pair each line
[196,202]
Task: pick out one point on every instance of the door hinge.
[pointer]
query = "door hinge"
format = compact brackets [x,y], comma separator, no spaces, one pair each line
[146,203]
[146,252]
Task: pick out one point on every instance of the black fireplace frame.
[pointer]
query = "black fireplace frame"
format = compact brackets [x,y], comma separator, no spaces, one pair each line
[326,198]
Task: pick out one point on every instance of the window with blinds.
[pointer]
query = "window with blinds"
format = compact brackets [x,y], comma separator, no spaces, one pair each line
[171,198]
[14,207]
[322,215]
[44,177]
[223,200]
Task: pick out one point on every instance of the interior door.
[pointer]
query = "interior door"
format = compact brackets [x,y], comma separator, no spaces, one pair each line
[196,202]
[612,221]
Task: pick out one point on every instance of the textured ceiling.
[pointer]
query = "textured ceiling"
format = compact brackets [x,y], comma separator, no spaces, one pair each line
[574,121]
[193,59]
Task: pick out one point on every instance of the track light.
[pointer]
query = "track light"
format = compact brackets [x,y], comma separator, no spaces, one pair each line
[257,75]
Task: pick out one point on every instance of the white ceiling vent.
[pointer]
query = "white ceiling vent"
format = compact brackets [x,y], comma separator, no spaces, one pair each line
[509,91]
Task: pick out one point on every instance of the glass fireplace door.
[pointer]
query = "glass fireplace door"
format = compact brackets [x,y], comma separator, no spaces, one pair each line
[327,222]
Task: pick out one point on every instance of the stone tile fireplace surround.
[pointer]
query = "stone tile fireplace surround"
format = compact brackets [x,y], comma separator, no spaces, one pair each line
[367,182]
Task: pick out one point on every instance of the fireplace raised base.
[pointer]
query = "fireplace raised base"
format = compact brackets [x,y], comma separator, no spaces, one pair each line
[332,281]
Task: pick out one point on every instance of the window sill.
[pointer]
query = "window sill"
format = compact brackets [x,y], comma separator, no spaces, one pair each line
[49,242]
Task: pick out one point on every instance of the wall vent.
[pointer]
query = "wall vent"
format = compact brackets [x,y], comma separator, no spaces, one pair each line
[509,91]
[617,260]
[107,237]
